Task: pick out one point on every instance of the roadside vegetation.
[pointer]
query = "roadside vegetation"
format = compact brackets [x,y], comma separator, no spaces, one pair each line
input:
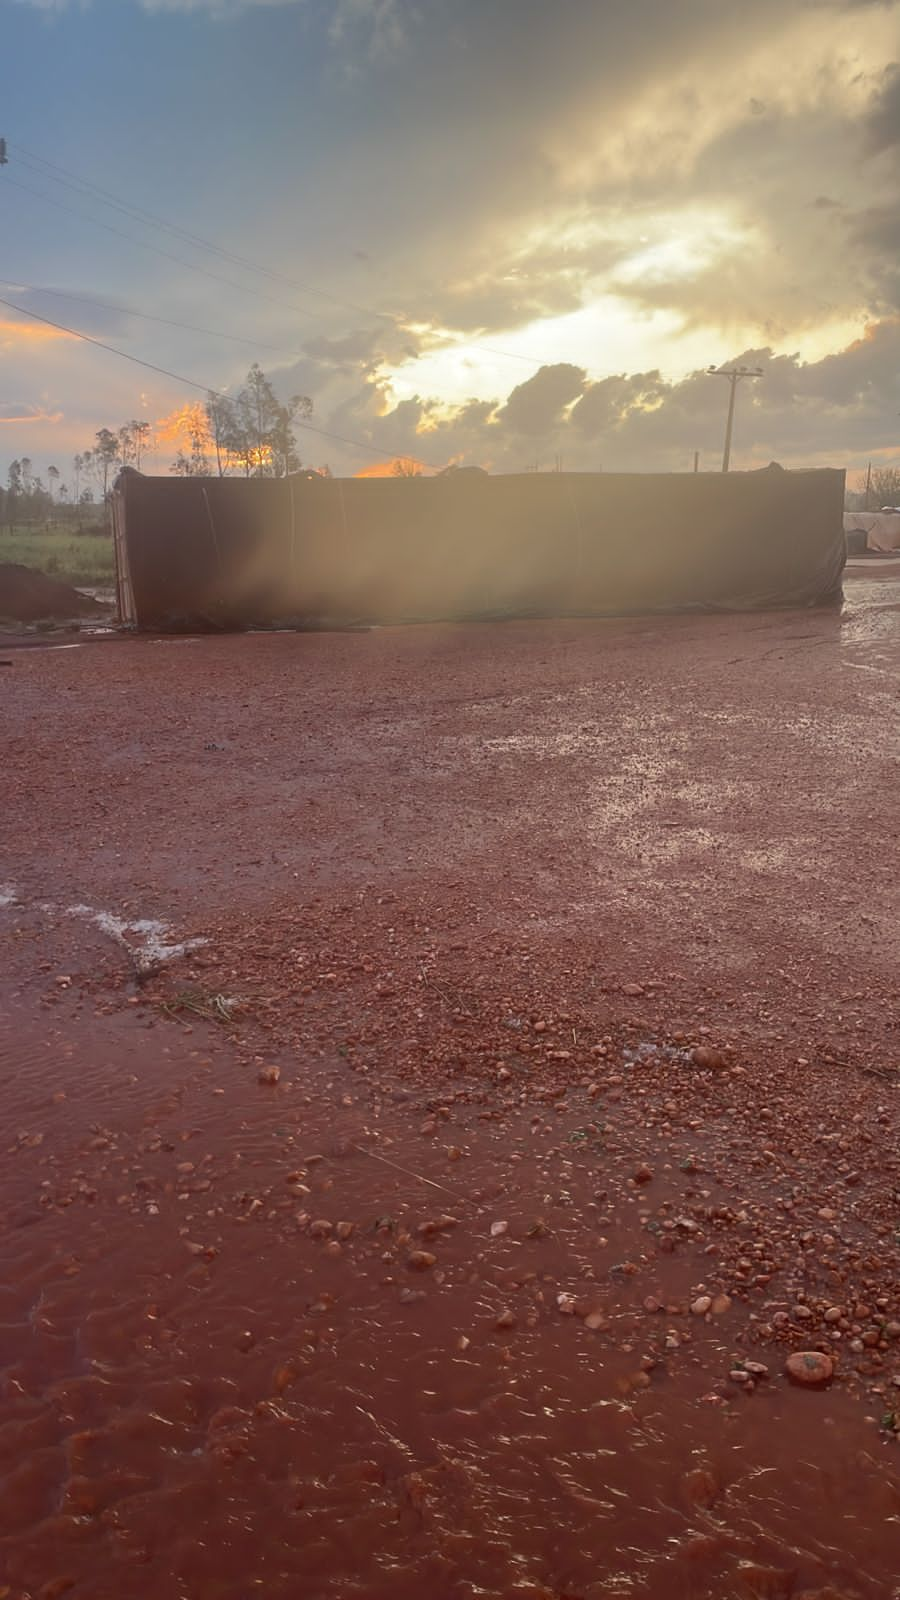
[59,522]
[84,559]
[51,527]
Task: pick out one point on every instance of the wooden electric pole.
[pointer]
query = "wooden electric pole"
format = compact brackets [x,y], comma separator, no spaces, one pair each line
[734,376]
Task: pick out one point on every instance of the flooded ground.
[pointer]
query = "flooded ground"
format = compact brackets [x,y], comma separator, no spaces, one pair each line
[442,1222]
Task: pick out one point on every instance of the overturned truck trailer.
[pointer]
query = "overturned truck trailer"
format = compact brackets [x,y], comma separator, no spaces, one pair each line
[307,550]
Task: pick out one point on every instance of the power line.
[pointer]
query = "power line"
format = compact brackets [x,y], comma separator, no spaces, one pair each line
[92,190]
[146,316]
[143,244]
[89,189]
[308,427]
[89,339]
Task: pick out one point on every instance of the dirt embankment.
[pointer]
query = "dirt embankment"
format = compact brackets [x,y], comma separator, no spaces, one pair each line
[27,595]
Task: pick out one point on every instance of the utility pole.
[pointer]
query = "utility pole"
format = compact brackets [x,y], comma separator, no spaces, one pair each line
[696,460]
[734,376]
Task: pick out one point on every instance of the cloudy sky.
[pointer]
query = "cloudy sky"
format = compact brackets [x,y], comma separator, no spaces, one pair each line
[504,232]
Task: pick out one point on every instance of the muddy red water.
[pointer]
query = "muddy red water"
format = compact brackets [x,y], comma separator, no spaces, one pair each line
[572,949]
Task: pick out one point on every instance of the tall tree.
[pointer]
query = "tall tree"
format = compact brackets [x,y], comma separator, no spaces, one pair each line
[886,486]
[140,435]
[104,457]
[192,460]
[256,429]
[133,440]
[285,456]
[13,491]
[221,425]
[254,409]
[125,438]
[53,478]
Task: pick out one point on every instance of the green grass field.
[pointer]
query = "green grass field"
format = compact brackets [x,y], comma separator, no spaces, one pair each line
[84,559]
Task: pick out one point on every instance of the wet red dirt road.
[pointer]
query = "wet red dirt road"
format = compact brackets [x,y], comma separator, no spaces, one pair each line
[443,1221]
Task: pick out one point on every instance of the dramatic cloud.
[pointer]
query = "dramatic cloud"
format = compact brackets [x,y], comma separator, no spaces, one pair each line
[882,125]
[26,414]
[798,412]
[536,407]
[500,233]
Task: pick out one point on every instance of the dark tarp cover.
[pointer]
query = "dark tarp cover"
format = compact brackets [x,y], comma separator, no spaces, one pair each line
[234,552]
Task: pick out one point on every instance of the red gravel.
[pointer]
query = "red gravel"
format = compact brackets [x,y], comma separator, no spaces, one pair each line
[593,927]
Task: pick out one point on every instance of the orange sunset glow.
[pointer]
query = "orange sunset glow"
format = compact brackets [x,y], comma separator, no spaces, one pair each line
[179,426]
[188,425]
[33,417]
[392,469]
[31,333]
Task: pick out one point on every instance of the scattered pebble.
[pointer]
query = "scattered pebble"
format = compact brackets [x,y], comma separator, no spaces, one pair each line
[436,1225]
[421,1260]
[809,1367]
[708,1058]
